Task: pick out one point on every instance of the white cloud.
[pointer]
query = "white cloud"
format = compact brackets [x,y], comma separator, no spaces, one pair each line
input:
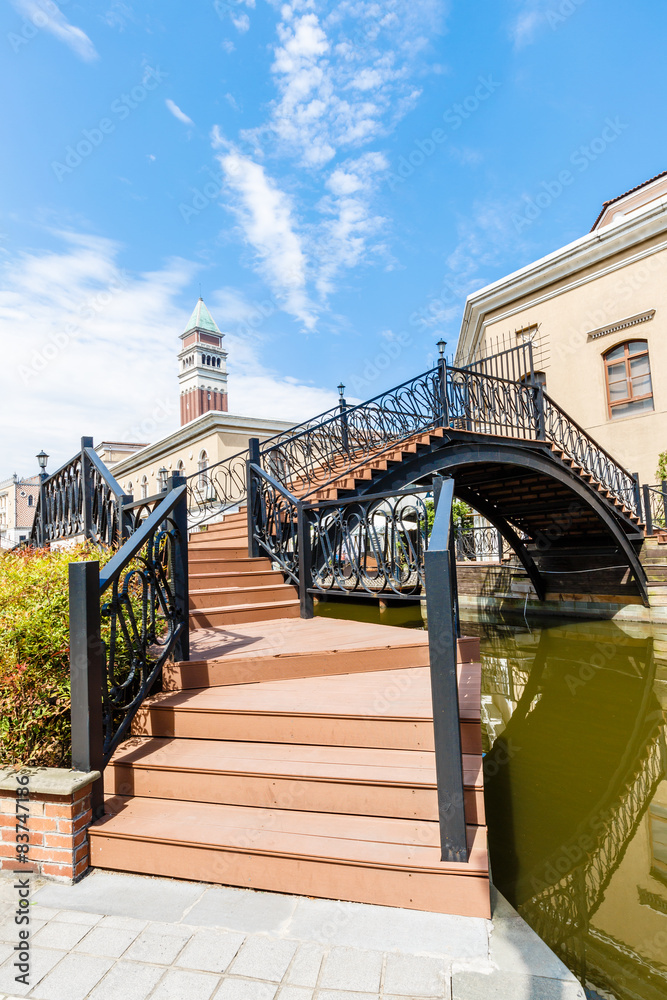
[265,215]
[241,22]
[530,19]
[89,348]
[50,18]
[177,113]
[228,45]
[345,242]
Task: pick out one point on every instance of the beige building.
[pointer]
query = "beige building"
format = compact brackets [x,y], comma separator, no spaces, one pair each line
[18,499]
[595,312]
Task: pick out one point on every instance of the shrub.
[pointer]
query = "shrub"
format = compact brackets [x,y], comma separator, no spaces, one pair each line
[34,663]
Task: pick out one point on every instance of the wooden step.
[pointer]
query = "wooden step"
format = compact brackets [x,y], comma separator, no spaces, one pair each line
[221,564]
[392,862]
[225,579]
[349,780]
[217,550]
[219,597]
[240,613]
[390,709]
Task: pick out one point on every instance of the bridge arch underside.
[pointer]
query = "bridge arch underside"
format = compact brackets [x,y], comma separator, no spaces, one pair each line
[579,542]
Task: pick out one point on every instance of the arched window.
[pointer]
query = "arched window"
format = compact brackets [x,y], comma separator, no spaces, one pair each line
[30,500]
[218,362]
[144,487]
[202,466]
[128,488]
[628,379]
[180,468]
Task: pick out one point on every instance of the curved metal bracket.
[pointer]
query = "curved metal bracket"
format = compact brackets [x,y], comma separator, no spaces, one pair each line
[488,511]
[458,453]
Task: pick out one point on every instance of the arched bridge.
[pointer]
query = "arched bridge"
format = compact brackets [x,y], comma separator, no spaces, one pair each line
[569,510]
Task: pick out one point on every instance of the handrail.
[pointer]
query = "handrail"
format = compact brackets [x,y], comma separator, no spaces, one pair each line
[111,482]
[136,541]
[124,623]
[439,567]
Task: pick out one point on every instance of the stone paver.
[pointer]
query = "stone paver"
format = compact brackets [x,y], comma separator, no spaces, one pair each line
[128,981]
[352,969]
[73,978]
[125,937]
[264,958]
[211,951]
[178,984]
[159,944]
[415,976]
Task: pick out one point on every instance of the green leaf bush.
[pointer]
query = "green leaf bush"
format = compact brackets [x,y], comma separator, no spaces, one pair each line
[34,659]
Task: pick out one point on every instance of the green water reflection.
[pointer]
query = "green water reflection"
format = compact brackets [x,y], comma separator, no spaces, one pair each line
[576,790]
[576,796]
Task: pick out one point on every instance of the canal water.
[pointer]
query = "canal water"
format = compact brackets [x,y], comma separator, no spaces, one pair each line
[574,727]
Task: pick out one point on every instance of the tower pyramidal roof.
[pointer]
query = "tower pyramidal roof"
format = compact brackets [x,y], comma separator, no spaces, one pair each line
[201,319]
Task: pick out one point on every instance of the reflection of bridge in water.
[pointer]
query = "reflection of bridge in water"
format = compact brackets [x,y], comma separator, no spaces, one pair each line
[568,781]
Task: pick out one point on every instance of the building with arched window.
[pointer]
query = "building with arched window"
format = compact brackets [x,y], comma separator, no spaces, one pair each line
[595,314]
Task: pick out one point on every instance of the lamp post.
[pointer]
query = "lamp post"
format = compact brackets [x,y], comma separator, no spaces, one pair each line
[442,365]
[342,402]
[42,459]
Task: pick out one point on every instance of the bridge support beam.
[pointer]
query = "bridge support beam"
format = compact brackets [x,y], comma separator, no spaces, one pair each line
[488,511]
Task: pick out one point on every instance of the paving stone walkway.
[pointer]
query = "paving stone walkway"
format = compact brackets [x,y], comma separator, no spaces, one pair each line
[127,937]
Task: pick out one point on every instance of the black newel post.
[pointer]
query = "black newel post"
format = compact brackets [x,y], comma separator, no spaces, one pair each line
[305,562]
[344,426]
[86,664]
[251,493]
[442,368]
[178,569]
[540,429]
[87,488]
[444,686]
[648,513]
[637,494]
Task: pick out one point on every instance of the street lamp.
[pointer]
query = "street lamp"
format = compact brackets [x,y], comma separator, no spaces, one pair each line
[441,345]
[42,458]
[341,389]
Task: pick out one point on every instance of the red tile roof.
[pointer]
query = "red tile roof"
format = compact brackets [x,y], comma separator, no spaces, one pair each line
[611,201]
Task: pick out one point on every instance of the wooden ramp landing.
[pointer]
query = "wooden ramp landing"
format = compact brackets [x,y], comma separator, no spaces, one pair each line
[297,756]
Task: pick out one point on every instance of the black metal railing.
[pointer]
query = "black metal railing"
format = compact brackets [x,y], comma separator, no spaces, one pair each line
[655,507]
[125,622]
[479,543]
[80,498]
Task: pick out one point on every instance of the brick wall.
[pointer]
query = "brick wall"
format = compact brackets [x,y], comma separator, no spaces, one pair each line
[56,813]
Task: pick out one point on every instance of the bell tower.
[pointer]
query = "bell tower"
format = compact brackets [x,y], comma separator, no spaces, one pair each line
[202,367]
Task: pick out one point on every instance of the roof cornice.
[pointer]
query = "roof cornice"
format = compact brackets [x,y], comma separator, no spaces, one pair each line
[589,250]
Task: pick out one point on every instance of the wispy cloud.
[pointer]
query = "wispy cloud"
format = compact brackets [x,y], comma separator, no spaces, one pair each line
[97,351]
[177,113]
[528,22]
[266,219]
[50,18]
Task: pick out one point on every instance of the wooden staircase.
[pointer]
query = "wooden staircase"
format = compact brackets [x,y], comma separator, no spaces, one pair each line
[293,755]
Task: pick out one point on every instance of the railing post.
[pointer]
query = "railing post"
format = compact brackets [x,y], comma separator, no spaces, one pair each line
[637,494]
[126,517]
[87,488]
[664,500]
[540,426]
[178,570]
[444,405]
[41,523]
[251,493]
[86,659]
[344,427]
[500,545]
[305,562]
[444,686]
[454,582]
[648,513]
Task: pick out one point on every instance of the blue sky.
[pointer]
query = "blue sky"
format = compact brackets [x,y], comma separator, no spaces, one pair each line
[337,177]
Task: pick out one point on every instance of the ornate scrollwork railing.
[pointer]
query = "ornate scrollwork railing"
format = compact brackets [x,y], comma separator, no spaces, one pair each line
[275,523]
[573,441]
[655,507]
[487,404]
[125,621]
[478,543]
[80,498]
[372,546]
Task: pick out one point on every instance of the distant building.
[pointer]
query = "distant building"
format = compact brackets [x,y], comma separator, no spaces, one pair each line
[596,314]
[208,432]
[18,499]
